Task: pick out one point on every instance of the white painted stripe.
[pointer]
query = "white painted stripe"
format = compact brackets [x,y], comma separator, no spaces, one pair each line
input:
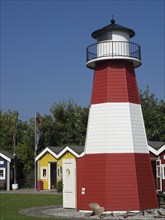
[156,152]
[116,128]
[67,148]
[138,129]
[5,157]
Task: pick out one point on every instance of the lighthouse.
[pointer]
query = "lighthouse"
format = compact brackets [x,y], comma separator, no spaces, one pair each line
[115,171]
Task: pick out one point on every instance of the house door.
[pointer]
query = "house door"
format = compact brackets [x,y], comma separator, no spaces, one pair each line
[53,175]
[69,183]
[158,175]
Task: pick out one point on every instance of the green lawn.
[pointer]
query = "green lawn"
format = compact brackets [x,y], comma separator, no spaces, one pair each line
[11,204]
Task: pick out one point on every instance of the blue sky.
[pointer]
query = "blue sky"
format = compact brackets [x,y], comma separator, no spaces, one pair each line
[43,49]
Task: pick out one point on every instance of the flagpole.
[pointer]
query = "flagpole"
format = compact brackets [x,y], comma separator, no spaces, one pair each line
[36,139]
[15,185]
[35,156]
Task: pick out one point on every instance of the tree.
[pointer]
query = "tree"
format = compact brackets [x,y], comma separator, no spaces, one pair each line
[47,132]
[66,125]
[70,121]
[154,115]
[25,145]
[7,130]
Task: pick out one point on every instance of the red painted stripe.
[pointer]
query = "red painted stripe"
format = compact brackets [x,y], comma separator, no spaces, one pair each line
[115,81]
[116,182]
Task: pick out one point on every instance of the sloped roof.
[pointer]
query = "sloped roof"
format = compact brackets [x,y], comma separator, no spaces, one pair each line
[6,155]
[156,147]
[77,149]
[156,144]
[111,27]
[55,149]
[57,152]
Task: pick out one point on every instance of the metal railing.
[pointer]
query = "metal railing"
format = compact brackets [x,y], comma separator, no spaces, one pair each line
[113,49]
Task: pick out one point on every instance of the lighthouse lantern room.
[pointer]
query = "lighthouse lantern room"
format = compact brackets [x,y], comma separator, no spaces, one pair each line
[115,171]
[113,42]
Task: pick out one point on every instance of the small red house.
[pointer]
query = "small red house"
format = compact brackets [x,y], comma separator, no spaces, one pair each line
[157,155]
[157,159]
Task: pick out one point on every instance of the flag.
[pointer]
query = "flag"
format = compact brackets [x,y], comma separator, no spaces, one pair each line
[15,129]
[38,121]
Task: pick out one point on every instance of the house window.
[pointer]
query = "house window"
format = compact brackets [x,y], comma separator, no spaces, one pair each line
[158,171]
[43,172]
[2,173]
[158,168]
[163,170]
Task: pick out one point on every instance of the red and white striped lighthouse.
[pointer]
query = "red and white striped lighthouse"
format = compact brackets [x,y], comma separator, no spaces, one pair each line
[115,171]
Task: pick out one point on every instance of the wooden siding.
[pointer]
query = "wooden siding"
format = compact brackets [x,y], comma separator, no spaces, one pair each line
[91,174]
[145,182]
[162,157]
[48,158]
[43,162]
[115,128]
[117,182]
[96,129]
[153,156]
[4,165]
[133,94]
[65,156]
[115,82]
[138,129]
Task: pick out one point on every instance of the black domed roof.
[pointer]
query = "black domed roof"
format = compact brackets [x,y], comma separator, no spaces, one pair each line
[111,27]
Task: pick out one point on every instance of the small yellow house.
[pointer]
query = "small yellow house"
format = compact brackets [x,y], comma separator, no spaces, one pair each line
[49,163]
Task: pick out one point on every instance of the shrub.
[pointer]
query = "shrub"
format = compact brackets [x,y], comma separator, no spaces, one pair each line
[59,186]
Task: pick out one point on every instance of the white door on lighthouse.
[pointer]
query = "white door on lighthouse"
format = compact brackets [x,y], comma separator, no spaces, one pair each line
[69,183]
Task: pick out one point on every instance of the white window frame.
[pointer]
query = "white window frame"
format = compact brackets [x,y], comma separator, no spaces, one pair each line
[163,171]
[42,169]
[158,168]
[4,173]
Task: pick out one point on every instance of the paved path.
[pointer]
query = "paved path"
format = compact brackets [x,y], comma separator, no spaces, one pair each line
[30,191]
[58,212]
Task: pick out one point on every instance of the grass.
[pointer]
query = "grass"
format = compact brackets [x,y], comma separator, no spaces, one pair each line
[11,204]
